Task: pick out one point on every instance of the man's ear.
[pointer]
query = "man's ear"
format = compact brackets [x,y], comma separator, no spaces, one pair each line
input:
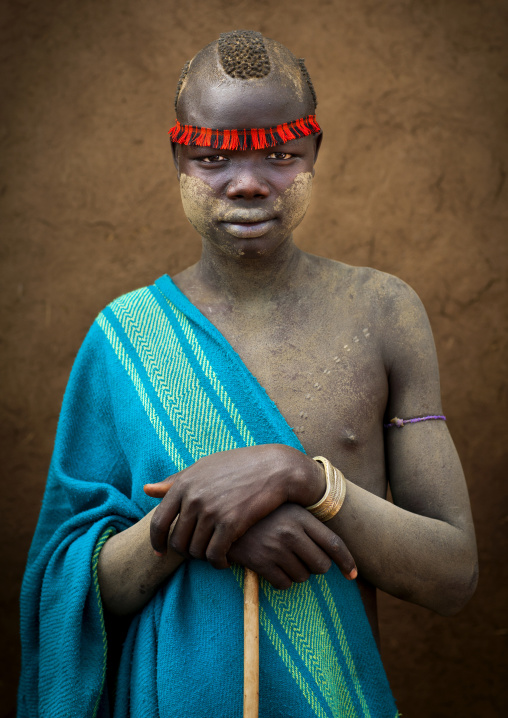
[174,152]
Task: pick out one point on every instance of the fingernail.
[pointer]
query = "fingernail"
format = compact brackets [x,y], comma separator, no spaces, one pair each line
[158,553]
[353,574]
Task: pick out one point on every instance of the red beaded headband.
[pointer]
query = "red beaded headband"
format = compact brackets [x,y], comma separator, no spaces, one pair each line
[248,139]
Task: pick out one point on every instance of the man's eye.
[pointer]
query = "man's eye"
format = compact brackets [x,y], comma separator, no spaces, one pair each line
[280,156]
[213,158]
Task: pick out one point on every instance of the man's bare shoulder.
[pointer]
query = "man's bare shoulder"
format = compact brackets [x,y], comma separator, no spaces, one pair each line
[367,285]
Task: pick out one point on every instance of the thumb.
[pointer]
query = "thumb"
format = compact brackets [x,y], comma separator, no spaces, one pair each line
[160,489]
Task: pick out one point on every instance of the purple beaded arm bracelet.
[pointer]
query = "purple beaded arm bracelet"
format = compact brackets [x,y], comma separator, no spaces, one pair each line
[400,422]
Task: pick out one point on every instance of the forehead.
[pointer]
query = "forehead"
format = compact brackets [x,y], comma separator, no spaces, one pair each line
[228,103]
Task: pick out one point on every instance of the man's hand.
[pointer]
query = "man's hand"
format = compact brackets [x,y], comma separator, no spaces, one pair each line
[222,495]
[289,545]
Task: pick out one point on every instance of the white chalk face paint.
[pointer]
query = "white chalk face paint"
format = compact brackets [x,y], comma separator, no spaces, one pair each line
[293,204]
[199,204]
[209,214]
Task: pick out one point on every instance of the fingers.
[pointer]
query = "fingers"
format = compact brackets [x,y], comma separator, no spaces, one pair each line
[282,576]
[196,539]
[295,569]
[288,546]
[182,533]
[219,545]
[161,488]
[312,556]
[267,569]
[163,517]
[276,576]
[194,535]
[333,546]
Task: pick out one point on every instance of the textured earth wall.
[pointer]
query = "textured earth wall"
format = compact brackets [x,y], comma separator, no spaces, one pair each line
[411,180]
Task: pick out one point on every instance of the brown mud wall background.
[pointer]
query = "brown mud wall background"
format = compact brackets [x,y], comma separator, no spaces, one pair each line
[411,180]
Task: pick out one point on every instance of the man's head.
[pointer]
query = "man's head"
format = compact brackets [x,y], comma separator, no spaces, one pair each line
[245,201]
[244,63]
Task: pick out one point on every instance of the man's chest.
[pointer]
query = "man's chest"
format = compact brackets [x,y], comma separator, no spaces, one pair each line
[328,383]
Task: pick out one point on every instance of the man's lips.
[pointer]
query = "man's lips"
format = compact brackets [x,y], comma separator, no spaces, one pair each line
[247,223]
[246,216]
[248,230]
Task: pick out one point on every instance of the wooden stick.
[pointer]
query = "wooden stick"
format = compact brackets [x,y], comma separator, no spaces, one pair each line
[250,644]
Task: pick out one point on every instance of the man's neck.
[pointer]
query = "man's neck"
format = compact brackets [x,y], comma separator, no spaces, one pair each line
[243,280]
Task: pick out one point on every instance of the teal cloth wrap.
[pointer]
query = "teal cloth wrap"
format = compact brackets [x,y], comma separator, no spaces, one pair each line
[155,387]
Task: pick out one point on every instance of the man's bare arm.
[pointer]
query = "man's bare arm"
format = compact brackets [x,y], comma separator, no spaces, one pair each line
[285,546]
[220,496]
[129,572]
[421,559]
[422,548]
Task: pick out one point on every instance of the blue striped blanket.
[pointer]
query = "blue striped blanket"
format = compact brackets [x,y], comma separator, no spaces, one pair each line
[155,387]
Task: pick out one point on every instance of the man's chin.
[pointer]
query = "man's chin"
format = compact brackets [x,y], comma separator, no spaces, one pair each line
[255,246]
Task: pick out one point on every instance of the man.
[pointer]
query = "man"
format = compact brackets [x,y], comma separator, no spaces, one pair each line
[228,379]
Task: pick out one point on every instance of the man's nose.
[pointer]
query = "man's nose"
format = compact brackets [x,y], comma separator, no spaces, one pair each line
[247,183]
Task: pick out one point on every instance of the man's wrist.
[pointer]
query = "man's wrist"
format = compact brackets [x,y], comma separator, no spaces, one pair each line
[331,502]
[308,482]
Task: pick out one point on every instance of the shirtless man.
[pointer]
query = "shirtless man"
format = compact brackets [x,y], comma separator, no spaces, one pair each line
[341,350]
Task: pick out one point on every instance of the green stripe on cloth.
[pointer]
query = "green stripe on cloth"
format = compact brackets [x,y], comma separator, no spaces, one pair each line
[302,621]
[300,681]
[212,376]
[171,374]
[95,560]
[327,595]
[129,367]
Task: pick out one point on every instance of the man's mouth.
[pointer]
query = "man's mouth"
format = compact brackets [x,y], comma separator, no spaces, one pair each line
[246,216]
[247,223]
[248,230]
